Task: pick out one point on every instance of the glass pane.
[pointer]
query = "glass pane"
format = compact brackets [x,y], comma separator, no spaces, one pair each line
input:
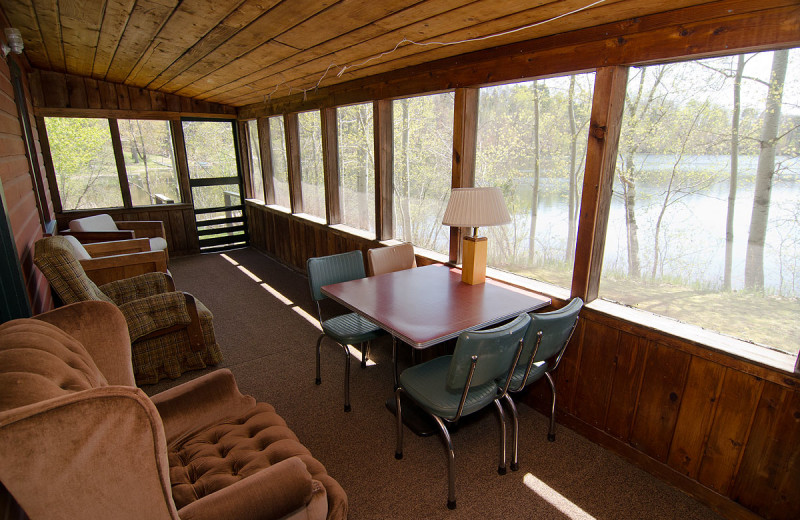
[280,171]
[210,153]
[255,160]
[694,167]
[356,166]
[149,161]
[532,144]
[423,156]
[311,177]
[83,159]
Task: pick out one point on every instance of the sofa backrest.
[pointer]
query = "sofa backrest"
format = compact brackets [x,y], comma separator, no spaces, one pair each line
[39,361]
[55,257]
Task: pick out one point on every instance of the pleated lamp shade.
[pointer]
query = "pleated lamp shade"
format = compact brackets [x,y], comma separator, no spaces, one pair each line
[476,207]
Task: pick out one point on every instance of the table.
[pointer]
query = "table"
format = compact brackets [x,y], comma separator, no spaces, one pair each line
[427,305]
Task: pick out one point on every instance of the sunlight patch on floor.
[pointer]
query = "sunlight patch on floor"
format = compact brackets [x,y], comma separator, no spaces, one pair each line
[309,318]
[276,294]
[555,499]
[357,354]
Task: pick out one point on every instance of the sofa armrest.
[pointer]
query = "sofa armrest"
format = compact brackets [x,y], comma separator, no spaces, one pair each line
[143,228]
[87,237]
[106,269]
[273,492]
[101,328]
[199,402]
[117,247]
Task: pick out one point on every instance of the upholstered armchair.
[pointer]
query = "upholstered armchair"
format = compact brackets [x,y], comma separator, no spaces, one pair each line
[102,228]
[171,331]
[79,440]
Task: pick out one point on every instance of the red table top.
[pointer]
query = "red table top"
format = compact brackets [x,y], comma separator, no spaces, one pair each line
[430,304]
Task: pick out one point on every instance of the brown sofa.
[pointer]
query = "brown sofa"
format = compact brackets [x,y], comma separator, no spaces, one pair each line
[79,440]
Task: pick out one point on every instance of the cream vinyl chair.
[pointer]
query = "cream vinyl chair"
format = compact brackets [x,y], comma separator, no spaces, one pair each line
[102,228]
[391,258]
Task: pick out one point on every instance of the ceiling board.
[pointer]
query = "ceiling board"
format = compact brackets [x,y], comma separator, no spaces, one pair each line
[239,52]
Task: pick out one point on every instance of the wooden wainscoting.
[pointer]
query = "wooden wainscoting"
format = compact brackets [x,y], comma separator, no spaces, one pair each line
[178,219]
[721,428]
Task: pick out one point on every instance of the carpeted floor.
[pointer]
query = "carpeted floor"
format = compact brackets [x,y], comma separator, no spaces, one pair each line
[266,326]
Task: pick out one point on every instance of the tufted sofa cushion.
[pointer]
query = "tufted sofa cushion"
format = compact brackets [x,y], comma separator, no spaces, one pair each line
[39,361]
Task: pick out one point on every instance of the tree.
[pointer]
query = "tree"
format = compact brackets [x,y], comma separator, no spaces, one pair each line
[754,263]
[535,186]
[735,119]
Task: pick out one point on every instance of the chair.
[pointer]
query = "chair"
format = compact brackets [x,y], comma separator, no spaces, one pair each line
[449,387]
[102,228]
[389,259]
[79,440]
[545,343]
[344,329]
[105,262]
[171,331]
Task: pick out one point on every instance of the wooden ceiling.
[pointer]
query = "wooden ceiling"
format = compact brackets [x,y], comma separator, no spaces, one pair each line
[239,52]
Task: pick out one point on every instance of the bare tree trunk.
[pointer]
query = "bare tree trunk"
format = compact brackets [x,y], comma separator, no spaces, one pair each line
[737,112]
[570,252]
[143,155]
[535,193]
[406,195]
[632,228]
[361,182]
[754,264]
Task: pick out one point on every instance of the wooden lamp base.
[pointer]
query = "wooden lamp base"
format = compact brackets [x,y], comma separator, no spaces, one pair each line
[473,269]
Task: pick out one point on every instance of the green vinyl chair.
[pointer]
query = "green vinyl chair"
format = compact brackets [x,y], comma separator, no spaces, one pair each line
[344,329]
[449,387]
[545,342]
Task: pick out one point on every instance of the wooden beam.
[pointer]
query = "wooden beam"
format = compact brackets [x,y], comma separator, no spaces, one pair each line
[384,160]
[291,127]
[244,152]
[119,158]
[265,148]
[716,28]
[181,161]
[465,136]
[330,165]
[605,123]
[49,169]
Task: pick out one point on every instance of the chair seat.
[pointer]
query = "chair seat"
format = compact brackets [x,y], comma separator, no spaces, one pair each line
[426,384]
[537,371]
[351,328]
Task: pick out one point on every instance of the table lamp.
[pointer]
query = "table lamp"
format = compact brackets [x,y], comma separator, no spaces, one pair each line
[475,207]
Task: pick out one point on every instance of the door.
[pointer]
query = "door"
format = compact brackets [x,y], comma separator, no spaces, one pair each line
[216,183]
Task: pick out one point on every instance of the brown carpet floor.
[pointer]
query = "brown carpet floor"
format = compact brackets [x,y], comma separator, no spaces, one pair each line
[261,316]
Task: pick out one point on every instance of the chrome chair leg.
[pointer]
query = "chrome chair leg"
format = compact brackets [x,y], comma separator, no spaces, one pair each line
[394,362]
[364,347]
[318,380]
[551,434]
[346,378]
[501,467]
[398,451]
[451,464]
[514,434]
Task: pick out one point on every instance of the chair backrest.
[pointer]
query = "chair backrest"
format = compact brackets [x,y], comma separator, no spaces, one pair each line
[55,257]
[102,222]
[556,327]
[391,258]
[326,270]
[496,349]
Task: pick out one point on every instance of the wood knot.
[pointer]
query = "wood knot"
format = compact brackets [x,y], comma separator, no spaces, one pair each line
[599,132]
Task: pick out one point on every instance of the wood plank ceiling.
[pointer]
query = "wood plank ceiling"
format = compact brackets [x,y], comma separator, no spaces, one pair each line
[239,52]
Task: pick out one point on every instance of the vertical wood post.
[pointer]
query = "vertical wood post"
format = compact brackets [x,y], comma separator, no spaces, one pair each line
[181,161]
[291,127]
[119,157]
[265,149]
[601,158]
[384,160]
[244,153]
[49,169]
[330,165]
[465,136]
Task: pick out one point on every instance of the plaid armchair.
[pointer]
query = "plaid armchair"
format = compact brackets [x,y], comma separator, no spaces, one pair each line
[171,332]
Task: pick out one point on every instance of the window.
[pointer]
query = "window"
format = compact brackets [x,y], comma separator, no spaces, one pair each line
[255,160]
[423,152]
[83,160]
[532,144]
[709,150]
[311,175]
[211,155]
[149,161]
[280,171]
[356,166]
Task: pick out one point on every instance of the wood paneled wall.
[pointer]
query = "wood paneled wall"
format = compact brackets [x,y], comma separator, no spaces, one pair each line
[721,428]
[178,219]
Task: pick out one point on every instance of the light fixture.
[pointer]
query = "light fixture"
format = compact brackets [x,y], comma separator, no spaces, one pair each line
[14,42]
[475,207]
